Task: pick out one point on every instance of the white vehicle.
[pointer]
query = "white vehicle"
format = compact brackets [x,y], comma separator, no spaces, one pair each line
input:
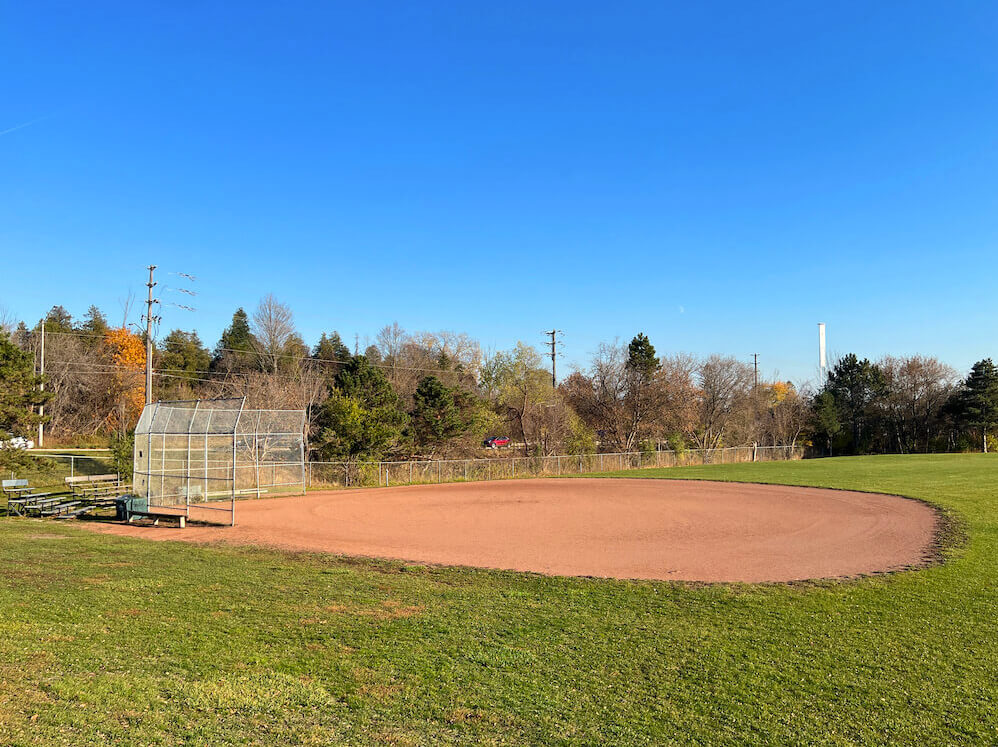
[17,443]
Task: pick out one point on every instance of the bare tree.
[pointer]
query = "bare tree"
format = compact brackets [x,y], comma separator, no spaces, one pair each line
[787,413]
[917,388]
[623,402]
[725,384]
[274,329]
[679,409]
[390,342]
[608,374]
[7,320]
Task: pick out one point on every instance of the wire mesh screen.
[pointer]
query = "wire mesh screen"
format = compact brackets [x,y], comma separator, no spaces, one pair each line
[191,454]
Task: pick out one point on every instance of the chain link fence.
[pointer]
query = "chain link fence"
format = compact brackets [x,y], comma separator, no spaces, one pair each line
[48,472]
[382,474]
[192,453]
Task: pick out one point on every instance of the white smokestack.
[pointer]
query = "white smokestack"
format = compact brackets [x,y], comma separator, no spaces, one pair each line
[822,361]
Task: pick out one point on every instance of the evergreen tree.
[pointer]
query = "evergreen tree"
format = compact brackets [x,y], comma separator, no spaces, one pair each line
[436,415]
[825,415]
[184,355]
[22,336]
[856,385]
[362,417]
[979,398]
[58,320]
[19,391]
[94,324]
[641,357]
[331,348]
[237,347]
[643,393]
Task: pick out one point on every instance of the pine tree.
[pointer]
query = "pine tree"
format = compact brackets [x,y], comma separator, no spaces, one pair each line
[19,391]
[362,417]
[825,415]
[436,416]
[643,395]
[331,348]
[333,351]
[979,398]
[94,325]
[183,354]
[237,346]
[856,385]
[641,356]
[58,320]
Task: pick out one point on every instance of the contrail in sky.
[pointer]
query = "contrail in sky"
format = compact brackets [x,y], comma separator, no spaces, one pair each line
[22,125]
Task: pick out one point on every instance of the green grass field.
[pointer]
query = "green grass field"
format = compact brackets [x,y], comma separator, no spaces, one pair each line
[106,639]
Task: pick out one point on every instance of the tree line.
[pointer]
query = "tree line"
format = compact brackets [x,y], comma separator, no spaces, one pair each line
[438,394]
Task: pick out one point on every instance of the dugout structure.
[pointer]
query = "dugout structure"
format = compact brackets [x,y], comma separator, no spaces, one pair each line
[200,455]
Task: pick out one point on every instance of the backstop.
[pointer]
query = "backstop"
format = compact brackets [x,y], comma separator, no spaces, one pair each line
[203,454]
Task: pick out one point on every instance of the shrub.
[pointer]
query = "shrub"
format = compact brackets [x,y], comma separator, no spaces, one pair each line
[122,445]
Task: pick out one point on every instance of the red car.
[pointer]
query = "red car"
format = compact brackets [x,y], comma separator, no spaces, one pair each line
[495,442]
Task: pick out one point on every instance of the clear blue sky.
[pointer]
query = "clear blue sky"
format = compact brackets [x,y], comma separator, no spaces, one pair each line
[721,176]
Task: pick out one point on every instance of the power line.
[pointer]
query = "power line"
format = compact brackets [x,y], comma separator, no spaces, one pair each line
[289,356]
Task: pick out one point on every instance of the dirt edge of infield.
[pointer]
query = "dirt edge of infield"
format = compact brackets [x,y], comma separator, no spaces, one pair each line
[938,540]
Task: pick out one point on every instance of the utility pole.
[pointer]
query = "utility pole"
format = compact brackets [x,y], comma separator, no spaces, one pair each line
[41,408]
[755,367]
[149,320]
[822,361]
[553,334]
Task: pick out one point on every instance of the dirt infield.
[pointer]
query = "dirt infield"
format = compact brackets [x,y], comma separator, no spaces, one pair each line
[622,528]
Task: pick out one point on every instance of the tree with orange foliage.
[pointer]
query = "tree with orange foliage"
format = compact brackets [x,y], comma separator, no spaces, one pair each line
[127,355]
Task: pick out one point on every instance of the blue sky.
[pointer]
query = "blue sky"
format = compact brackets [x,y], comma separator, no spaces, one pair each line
[721,176]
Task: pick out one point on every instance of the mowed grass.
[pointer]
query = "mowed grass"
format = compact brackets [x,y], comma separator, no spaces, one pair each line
[114,640]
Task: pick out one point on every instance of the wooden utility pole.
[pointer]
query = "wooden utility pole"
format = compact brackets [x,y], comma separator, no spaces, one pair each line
[41,386]
[755,368]
[149,320]
[553,334]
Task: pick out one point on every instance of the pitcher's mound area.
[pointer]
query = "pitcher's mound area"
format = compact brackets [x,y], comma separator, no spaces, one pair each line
[637,528]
